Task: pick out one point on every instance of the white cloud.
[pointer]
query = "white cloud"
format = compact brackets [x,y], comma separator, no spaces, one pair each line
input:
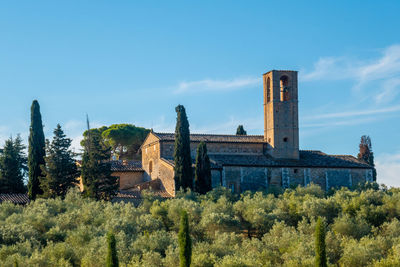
[388,169]
[354,113]
[383,72]
[216,85]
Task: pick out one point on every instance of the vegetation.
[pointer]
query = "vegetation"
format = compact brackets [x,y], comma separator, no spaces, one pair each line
[124,139]
[202,177]
[12,166]
[183,160]
[112,257]
[366,153]
[320,250]
[185,242]
[96,169]
[60,169]
[36,151]
[240,130]
[362,229]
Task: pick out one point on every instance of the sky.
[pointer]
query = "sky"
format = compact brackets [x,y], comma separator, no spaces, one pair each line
[134,61]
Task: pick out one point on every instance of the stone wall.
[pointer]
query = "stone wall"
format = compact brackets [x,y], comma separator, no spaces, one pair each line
[150,159]
[166,175]
[129,179]
[167,148]
[244,178]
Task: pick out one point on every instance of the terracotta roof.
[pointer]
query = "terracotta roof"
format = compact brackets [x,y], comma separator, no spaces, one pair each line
[128,166]
[15,198]
[307,159]
[215,138]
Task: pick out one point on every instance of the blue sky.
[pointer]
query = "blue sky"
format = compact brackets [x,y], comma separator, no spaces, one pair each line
[133,62]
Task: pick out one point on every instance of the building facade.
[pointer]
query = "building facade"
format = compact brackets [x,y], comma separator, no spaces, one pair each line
[252,162]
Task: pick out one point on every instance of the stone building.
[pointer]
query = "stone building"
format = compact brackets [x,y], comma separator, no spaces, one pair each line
[252,162]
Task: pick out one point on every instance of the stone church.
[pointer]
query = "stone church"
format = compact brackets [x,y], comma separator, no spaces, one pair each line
[252,162]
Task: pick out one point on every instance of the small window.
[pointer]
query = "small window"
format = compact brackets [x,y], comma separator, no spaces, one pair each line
[285,139]
[268,89]
[154,147]
[150,166]
[295,170]
[146,150]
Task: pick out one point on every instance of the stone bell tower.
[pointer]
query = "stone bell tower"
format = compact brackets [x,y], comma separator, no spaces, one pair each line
[281,123]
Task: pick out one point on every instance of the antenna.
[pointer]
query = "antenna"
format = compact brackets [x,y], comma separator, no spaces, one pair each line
[88,131]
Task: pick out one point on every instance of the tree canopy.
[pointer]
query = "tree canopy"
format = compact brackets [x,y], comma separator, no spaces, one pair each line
[240,130]
[60,169]
[366,153]
[36,151]
[96,169]
[13,166]
[182,158]
[202,172]
[123,139]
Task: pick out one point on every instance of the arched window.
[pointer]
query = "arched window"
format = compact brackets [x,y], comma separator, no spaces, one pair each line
[268,89]
[284,86]
[150,166]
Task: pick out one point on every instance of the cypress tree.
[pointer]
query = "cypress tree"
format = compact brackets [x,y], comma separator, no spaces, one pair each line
[183,160]
[320,249]
[185,243]
[366,153]
[96,169]
[112,257]
[60,171]
[202,178]
[12,166]
[240,130]
[36,151]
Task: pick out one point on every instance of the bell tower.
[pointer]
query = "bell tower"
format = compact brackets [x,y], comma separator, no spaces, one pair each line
[281,123]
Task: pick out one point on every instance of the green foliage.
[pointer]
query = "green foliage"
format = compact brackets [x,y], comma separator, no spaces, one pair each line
[60,170]
[112,257]
[36,151]
[202,177]
[183,160]
[12,166]
[253,229]
[124,140]
[185,242]
[366,153]
[320,249]
[96,169]
[240,130]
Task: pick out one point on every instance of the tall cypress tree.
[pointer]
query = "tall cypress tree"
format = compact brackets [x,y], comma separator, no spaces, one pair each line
[183,160]
[202,177]
[366,153]
[320,249]
[96,169]
[185,242]
[12,166]
[36,151]
[112,257]
[240,130]
[60,171]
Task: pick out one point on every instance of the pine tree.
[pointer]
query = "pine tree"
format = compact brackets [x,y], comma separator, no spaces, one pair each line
[320,249]
[12,166]
[96,169]
[112,257]
[60,171]
[36,151]
[366,153]
[240,130]
[183,160]
[202,178]
[185,243]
